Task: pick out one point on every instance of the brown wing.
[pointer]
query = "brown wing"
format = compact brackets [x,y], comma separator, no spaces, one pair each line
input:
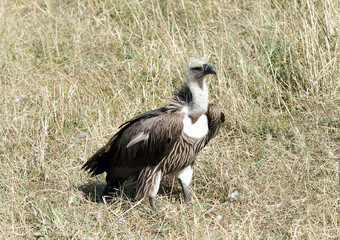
[142,141]
[215,119]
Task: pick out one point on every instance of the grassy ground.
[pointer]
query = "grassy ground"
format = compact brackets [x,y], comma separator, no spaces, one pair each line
[72,71]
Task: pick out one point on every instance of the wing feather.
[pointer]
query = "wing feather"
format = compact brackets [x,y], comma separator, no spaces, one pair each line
[144,140]
[215,119]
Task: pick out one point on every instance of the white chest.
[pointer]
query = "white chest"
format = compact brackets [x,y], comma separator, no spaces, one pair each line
[195,130]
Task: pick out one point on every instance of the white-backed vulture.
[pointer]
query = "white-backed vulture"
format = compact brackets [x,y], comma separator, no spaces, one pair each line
[164,141]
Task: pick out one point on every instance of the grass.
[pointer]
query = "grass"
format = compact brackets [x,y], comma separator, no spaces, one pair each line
[72,71]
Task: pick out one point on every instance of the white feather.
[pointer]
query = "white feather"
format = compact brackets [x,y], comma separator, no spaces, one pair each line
[195,130]
[185,175]
[139,137]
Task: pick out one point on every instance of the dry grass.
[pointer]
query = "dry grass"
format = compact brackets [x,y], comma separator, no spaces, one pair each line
[72,71]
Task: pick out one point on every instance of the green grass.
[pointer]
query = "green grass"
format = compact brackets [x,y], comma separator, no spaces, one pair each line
[72,71]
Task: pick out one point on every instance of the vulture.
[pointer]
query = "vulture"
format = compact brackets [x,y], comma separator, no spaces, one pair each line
[161,142]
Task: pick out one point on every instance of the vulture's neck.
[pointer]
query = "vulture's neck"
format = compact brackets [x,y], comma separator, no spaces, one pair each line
[199,103]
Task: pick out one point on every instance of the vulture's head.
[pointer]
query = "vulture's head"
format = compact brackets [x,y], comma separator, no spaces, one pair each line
[197,69]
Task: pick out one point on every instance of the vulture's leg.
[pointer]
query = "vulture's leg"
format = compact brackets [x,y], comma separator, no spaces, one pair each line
[148,183]
[185,176]
[152,203]
[156,181]
[112,185]
[186,195]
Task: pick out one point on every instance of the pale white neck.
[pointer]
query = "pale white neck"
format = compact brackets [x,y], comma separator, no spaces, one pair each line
[199,104]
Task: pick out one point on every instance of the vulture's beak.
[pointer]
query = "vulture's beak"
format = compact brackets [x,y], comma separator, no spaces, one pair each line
[208,69]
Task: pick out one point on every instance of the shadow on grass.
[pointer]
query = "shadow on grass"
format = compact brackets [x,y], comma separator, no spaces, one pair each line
[93,192]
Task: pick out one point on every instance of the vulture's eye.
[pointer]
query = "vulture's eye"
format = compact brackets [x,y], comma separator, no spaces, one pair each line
[197,68]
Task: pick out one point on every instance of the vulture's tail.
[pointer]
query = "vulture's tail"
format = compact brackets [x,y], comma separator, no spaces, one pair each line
[97,164]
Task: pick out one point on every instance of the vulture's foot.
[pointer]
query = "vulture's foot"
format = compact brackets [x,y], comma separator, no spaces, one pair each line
[112,186]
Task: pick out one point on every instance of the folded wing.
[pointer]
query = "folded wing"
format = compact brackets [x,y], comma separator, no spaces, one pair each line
[142,141]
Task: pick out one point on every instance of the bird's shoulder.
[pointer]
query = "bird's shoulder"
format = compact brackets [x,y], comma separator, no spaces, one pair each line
[214,113]
[157,119]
